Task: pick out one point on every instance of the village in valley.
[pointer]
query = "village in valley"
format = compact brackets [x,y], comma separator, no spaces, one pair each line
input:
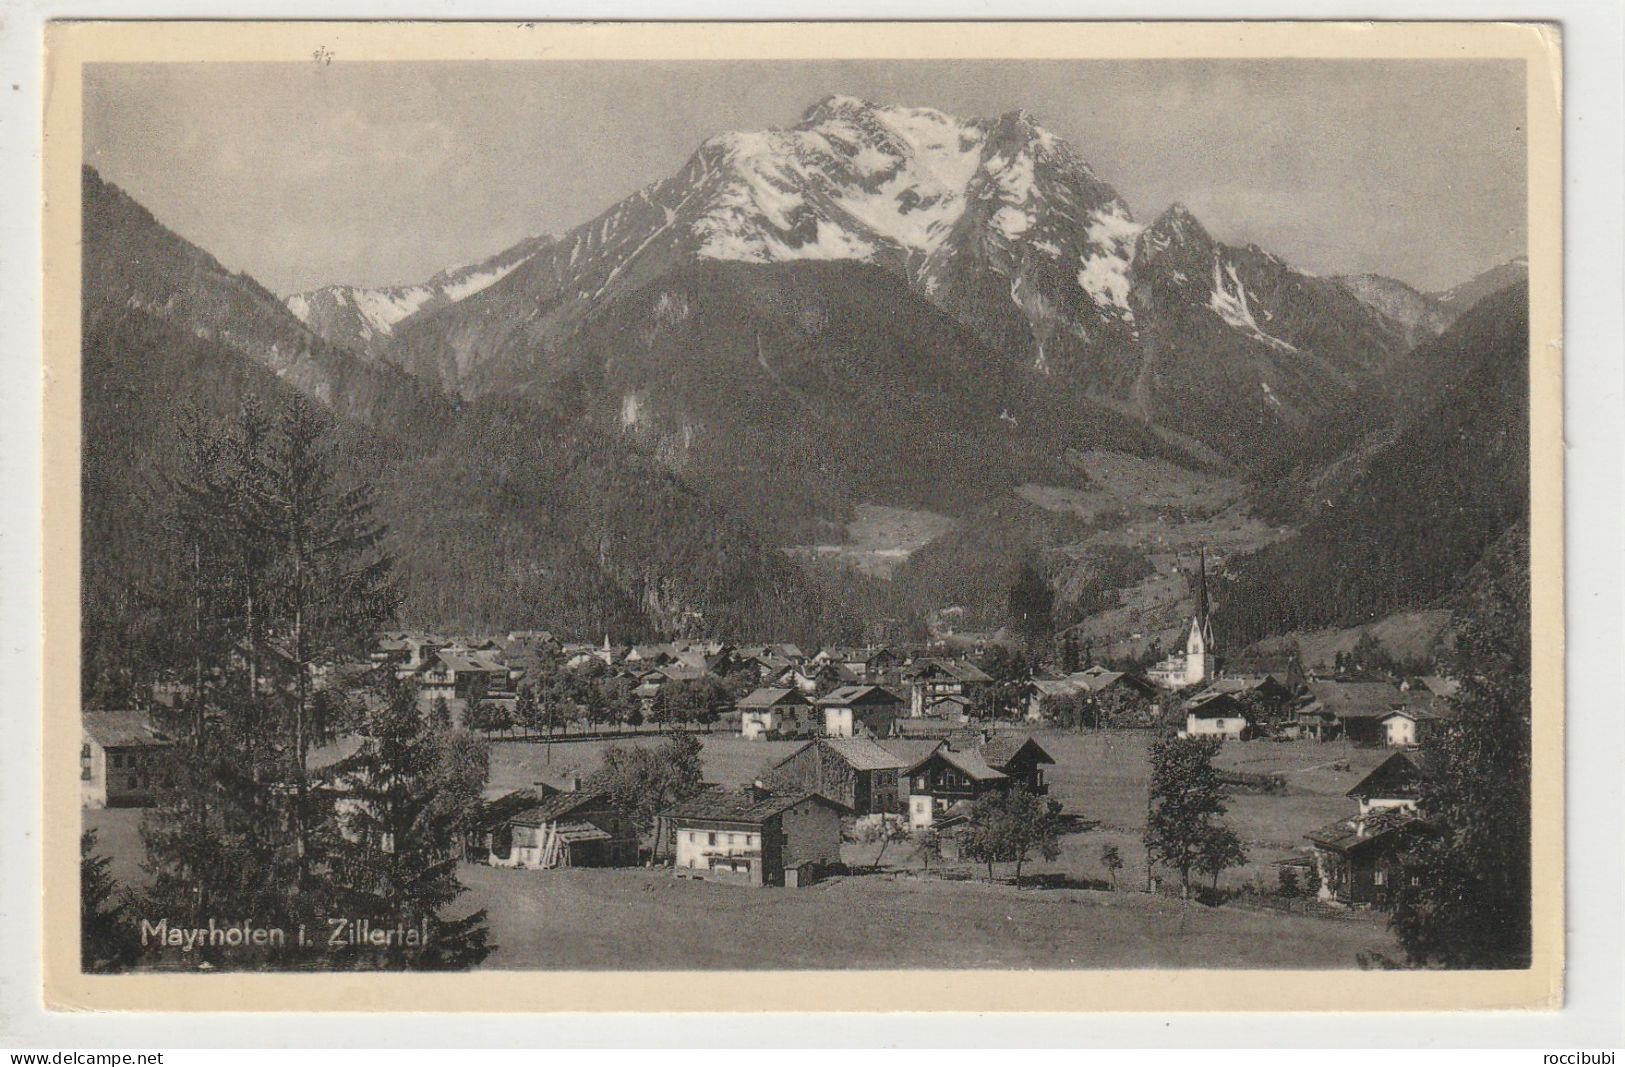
[853,536]
[887,776]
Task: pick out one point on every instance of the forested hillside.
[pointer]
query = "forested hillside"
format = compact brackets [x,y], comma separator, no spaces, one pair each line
[1423,510]
[502,513]
[796,391]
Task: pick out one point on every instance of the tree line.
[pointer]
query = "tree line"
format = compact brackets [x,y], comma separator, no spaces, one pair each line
[282,587]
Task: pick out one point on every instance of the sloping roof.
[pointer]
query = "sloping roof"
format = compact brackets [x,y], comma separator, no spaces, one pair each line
[863,754]
[1357,831]
[1356,700]
[1400,776]
[968,672]
[1000,749]
[501,809]
[912,751]
[578,832]
[1096,679]
[1210,703]
[1439,685]
[859,694]
[1245,683]
[971,763]
[554,807]
[744,805]
[1058,687]
[123,729]
[771,697]
[458,662]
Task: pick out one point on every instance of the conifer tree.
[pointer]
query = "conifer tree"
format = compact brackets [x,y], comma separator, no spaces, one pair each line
[107,932]
[1466,899]
[283,582]
[330,585]
[406,798]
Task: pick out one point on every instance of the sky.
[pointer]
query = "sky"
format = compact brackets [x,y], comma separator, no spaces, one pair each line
[306,175]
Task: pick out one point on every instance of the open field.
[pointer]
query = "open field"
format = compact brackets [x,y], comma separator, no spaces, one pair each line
[879,539]
[646,919]
[892,918]
[1099,777]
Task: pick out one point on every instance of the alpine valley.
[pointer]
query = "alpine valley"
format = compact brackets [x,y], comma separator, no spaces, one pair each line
[840,379]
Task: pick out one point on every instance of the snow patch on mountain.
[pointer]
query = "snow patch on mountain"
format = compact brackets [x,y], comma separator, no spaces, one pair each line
[1230,303]
[381,309]
[1105,273]
[1015,184]
[852,178]
[469,285]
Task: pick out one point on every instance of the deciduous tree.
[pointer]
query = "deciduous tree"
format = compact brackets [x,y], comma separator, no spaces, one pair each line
[1111,858]
[1185,801]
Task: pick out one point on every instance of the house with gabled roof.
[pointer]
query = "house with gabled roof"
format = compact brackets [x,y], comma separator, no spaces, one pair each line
[1365,859]
[559,829]
[774,712]
[1213,713]
[1359,708]
[460,676]
[856,771]
[1019,756]
[754,836]
[860,711]
[930,679]
[1394,784]
[124,759]
[945,777]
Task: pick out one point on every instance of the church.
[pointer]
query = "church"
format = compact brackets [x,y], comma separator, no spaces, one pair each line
[1199,662]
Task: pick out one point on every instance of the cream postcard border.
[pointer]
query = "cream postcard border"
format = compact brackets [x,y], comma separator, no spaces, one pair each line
[71,45]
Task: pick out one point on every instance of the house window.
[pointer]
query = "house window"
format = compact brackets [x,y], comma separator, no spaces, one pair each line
[84,751]
[711,839]
[1379,877]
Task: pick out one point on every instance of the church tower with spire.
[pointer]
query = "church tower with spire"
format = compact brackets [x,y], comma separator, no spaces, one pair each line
[1199,662]
[1201,654]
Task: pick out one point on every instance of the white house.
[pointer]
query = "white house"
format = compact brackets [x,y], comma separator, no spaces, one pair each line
[860,710]
[755,837]
[123,759]
[775,712]
[1216,714]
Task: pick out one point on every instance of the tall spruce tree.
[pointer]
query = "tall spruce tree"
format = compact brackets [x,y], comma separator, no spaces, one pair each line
[282,582]
[1467,900]
[1031,605]
[329,583]
[404,800]
[107,931]
[214,842]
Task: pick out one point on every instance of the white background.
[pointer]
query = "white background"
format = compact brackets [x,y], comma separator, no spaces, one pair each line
[1595,410]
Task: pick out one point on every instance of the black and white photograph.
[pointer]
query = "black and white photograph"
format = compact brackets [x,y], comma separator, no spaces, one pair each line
[811,514]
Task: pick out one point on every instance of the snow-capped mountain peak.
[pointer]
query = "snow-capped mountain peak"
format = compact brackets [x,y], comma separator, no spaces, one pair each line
[366,317]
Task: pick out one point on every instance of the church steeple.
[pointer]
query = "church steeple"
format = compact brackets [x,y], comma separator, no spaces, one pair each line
[1202,618]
